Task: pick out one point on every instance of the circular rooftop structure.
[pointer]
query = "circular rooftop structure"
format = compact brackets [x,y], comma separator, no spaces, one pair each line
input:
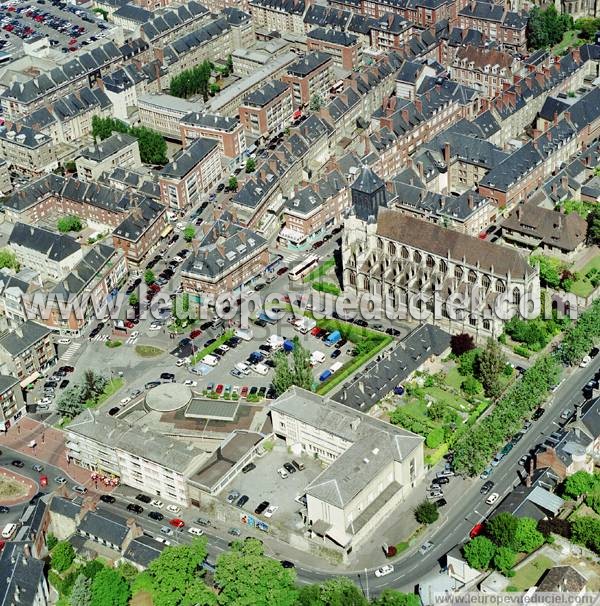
[168,397]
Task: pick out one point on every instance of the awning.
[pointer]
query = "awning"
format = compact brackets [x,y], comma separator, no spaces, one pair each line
[166,231]
[30,379]
[292,235]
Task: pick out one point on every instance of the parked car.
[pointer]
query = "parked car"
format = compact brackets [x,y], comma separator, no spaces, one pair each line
[143,498]
[232,496]
[384,570]
[177,523]
[197,532]
[261,507]
[135,508]
[487,486]
[492,498]
[107,498]
[426,548]
[248,467]
[156,515]
[289,468]
[242,500]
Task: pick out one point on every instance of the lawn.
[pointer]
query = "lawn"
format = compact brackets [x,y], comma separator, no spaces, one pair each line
[454,379]
[11,489]
[570,39]
[530,574]
[584,287]
[320,271]
[111,388]
[148,351]
[208,350]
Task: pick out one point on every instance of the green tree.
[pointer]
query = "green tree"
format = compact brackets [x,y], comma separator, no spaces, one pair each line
[230,63]
[315,103]
[581,482]
[426,512]
[479,552]
[471,386]
[435,437]
[491,364]
[502,529]
[149,277]
[468,362]
[213,89]
[189,233]
[92,568]
[134,299]
[128,571]
[550,270]
[62,556]
[585,530]
[81,593]
[461,343]
[339,591]
[587,26]
[546,27]
[391,597]
[504,559]
[109,588]
[71,401]
[8,259]
[436,411]
[93,385]
[69,223]
[593,228]
[527,537]
[232,184]
[296,371]
[51,541]
[246,576]
[250,165]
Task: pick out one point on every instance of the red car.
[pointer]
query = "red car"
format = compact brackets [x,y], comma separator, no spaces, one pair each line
[43,480]
[129,324]
[244,391]
[177,523]
[476,530]
[219,389]
[281,271]
[154,287]
[195,333]
[315,331]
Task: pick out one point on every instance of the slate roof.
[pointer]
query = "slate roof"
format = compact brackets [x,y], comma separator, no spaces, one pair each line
[143,550]
[325,16]
[188,158]
[64,507]
[265,94]
[192,40]
[448,243]
[25,336]
[20,134]
[139,219]
[56,247]
[367,181]
[21,575]
[333,36]
[105,525]
[107,148]
[131,12]
[214,121]
[7,382]
[172,18]
[309,63]
[292,7]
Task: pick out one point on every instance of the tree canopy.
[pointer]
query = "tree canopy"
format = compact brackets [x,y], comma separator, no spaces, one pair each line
[479,552]
[8,259]
[69,223]
[546,27]
[62,556]
[295,371]
[192,81]
[109,588]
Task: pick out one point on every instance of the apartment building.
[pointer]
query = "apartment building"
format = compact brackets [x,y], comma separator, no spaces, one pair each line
[485,70]
[15,287]
[95,278]
[371,467]
[25,581]
[12,404]
[278,15]
[390,32]
[27,150]
[138,456]
[163,113]
[311,76]
[267,111]
[26,351]
[52,254]
[227,131]
[118,150]
[345,48]
[227,257]
[141,230]
[5,183]
[193,172]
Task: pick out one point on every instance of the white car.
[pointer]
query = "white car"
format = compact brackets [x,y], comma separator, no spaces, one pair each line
[135,334]
[426,548]
[180,225]
[126,400]
[181,362]
[162,540]
[492,498]
[224,347]
[166,530]
[582,364]
[190,383]
[283,473]
[173,509]
[197,532]
[155,326]
[45,401]
[271,510]
[384,570]
[177,258]
[64,341]
[157,504]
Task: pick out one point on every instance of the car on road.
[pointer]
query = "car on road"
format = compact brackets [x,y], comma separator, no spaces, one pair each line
[434,494]
[158,504]
[166,530]
[4,509]
[60,480]
[167,376]
[384,570]
[190,383]
[144,498]
[287,564]
[523,460]
[151,384]
[261,507]
[64,341]
[197,532]
[492,498]
[538,413]
[487,486]
[242,500]
[476,530]
[442,480]
[37,467]
[248,467]
[271,509]
[426,548]
[566,414]
[173,509]
[107,498]
[156,515]
[440,503]
[18,463]
[177,523]
[232,496]
[235,532]
[585,362]
[135,508]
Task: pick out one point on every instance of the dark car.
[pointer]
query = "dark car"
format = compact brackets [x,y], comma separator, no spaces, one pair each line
[440,480]
[361,322]
[135,508]
[282,270]
[220,187]
[167,376]
[67,368]
[113,411]
[261,507]
[248,467]
[64,383]
[289,468]
[52,384]
[242,500]
[156,515]
[107,498]
[151,384]
[144,498]
[336,353]
[594,352]
[486,487]
[538,414]
[18,463]
[394,332]
[287,564]
[441,503]
[4,509]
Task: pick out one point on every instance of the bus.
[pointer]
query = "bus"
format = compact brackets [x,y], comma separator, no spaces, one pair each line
[303,268]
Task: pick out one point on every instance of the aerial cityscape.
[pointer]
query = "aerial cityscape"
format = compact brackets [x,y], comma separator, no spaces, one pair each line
[299,302]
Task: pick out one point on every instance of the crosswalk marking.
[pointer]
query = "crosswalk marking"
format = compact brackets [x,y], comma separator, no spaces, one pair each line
[70,352]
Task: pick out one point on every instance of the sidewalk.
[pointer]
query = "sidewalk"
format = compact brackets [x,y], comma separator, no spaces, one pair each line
[50,449]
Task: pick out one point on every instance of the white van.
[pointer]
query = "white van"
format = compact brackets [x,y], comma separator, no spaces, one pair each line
[8,531]
[335,367]
[316,357]
[243,368]
[210,360]
[261,369]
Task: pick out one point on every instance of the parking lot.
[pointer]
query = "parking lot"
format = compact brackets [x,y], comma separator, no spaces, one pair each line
[264,484]
[67,27]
